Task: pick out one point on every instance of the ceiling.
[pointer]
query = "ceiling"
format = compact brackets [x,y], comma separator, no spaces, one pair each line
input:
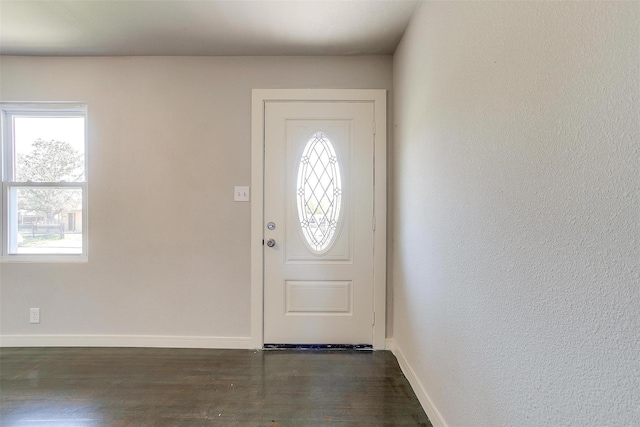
[204,27]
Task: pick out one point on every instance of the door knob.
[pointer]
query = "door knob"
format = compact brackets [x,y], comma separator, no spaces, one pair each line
[271,243]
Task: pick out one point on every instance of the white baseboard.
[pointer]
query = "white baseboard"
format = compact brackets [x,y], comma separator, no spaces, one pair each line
[125,341]
[418,388]
[390,345]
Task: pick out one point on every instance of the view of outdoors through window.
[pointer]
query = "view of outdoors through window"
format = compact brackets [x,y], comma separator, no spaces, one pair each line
[47,218]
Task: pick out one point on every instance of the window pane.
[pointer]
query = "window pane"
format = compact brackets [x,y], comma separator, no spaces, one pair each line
[319,192]
[49,149]
[46,220]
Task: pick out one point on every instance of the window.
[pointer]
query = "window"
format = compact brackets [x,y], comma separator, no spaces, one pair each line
[44,182]
[319,192]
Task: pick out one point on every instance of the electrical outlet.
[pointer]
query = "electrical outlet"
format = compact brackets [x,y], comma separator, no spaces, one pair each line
[34,315]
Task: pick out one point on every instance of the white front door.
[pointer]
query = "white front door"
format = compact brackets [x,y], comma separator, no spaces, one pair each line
[319,222]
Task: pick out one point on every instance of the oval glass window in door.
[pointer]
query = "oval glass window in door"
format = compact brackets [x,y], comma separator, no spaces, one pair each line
[319,192]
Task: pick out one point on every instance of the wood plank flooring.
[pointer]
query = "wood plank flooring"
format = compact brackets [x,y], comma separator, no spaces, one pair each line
[196,387]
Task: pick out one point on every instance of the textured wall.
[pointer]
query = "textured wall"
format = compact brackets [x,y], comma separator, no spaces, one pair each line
[517,210]
[169,137]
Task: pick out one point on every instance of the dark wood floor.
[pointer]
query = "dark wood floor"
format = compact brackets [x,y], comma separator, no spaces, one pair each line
[185,387]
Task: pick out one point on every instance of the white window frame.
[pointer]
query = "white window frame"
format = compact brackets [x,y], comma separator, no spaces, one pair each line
[8,110]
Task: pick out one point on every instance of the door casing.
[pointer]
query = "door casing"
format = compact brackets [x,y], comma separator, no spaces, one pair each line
[259,98]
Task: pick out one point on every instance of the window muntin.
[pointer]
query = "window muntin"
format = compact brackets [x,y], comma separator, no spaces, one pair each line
[319,192]
[44,203]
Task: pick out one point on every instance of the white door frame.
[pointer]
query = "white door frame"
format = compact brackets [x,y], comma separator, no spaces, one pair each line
[259,98]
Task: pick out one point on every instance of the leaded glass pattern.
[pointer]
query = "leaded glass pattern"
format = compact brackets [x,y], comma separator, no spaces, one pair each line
[319,192]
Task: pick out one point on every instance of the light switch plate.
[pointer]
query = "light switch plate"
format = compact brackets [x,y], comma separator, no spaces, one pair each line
[240,194]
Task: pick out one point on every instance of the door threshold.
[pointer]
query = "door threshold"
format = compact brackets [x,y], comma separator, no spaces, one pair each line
[362,347]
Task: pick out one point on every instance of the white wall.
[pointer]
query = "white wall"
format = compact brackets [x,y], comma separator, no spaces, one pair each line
[517,208]
[169,137]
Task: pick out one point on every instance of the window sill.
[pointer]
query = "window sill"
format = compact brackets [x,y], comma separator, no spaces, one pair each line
[43,259]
